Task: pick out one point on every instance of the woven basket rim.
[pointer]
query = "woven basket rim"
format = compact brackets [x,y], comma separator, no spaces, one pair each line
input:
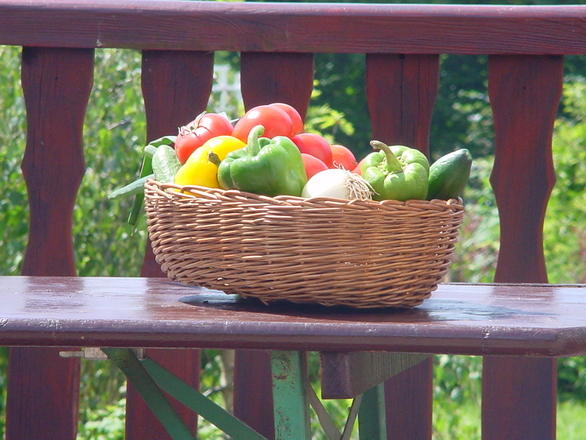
[196,191]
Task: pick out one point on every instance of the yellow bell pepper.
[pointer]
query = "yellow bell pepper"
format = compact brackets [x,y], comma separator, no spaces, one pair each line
[199,169]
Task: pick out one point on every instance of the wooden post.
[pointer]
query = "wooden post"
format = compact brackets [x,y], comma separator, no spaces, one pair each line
[43,390]
[519,395]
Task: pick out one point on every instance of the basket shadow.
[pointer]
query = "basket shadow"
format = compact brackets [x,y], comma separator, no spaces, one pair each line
[432,310]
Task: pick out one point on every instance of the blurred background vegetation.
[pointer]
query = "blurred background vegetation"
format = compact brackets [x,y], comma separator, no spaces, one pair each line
[114,138]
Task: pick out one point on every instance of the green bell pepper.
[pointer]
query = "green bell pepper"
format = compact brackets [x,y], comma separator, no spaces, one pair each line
[269,167]
[396,173]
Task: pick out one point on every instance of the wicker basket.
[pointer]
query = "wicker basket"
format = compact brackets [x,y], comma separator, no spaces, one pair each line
[361,254]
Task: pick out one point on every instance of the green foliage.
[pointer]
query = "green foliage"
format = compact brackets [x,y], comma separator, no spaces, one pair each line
[226,74]
[564,231]
[114,137]
[457,397]
[572,379]
[462,117]
[339,81]
[104,423]
[13,203]
[102,401]
[331,124]
[476,253]
[570,420]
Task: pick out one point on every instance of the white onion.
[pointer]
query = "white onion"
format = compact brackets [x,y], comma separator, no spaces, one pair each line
[337,183]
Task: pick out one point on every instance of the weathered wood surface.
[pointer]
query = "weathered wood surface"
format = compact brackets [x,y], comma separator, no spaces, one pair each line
[154,312]
[285,27]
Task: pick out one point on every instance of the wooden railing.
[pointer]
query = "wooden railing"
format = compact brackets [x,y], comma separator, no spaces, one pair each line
[277,42]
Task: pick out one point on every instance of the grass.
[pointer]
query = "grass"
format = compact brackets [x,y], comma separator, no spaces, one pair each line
[571,420]
[453,421]
[462,422]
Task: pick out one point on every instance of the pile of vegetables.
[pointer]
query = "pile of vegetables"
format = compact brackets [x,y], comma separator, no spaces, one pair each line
[268,152]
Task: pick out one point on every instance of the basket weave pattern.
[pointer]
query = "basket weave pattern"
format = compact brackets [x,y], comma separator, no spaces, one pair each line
[360,254]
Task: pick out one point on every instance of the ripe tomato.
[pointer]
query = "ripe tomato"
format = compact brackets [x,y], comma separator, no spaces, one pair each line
[296,121]
[312,165]
[276,122]
[198,131]
[358,168]
[315,145]
[342,156]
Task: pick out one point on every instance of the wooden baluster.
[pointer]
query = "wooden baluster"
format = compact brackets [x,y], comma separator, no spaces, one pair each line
[43,389]
[283,77]
[401,92]
[519,394]
[525,93]
[176,88]
[267,78]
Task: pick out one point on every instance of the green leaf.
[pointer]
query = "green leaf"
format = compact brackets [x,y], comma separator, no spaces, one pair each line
[146,169]
[165,140]
[133,188]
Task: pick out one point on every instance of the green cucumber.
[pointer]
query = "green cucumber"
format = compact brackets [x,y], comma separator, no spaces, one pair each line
[165,164]
[449,174]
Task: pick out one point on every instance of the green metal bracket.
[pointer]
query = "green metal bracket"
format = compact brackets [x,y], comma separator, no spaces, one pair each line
[371,416]
[199,403]
[151,379]
[293,394]
[126,360]
[291,406]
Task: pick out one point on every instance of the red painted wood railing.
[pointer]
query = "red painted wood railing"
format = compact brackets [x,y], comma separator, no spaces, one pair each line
[402,43]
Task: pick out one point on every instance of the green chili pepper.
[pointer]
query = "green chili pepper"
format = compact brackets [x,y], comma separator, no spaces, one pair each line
[397,172]
[265,166]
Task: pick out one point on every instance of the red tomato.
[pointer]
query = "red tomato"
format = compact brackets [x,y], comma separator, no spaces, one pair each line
[358,168]
[199,131]
[315,145]
[342,156]
[296,121]
[312,165]
[275,121]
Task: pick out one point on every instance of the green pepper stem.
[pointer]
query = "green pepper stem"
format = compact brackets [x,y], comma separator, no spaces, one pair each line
[253,145]
[393,164]
[214,158]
